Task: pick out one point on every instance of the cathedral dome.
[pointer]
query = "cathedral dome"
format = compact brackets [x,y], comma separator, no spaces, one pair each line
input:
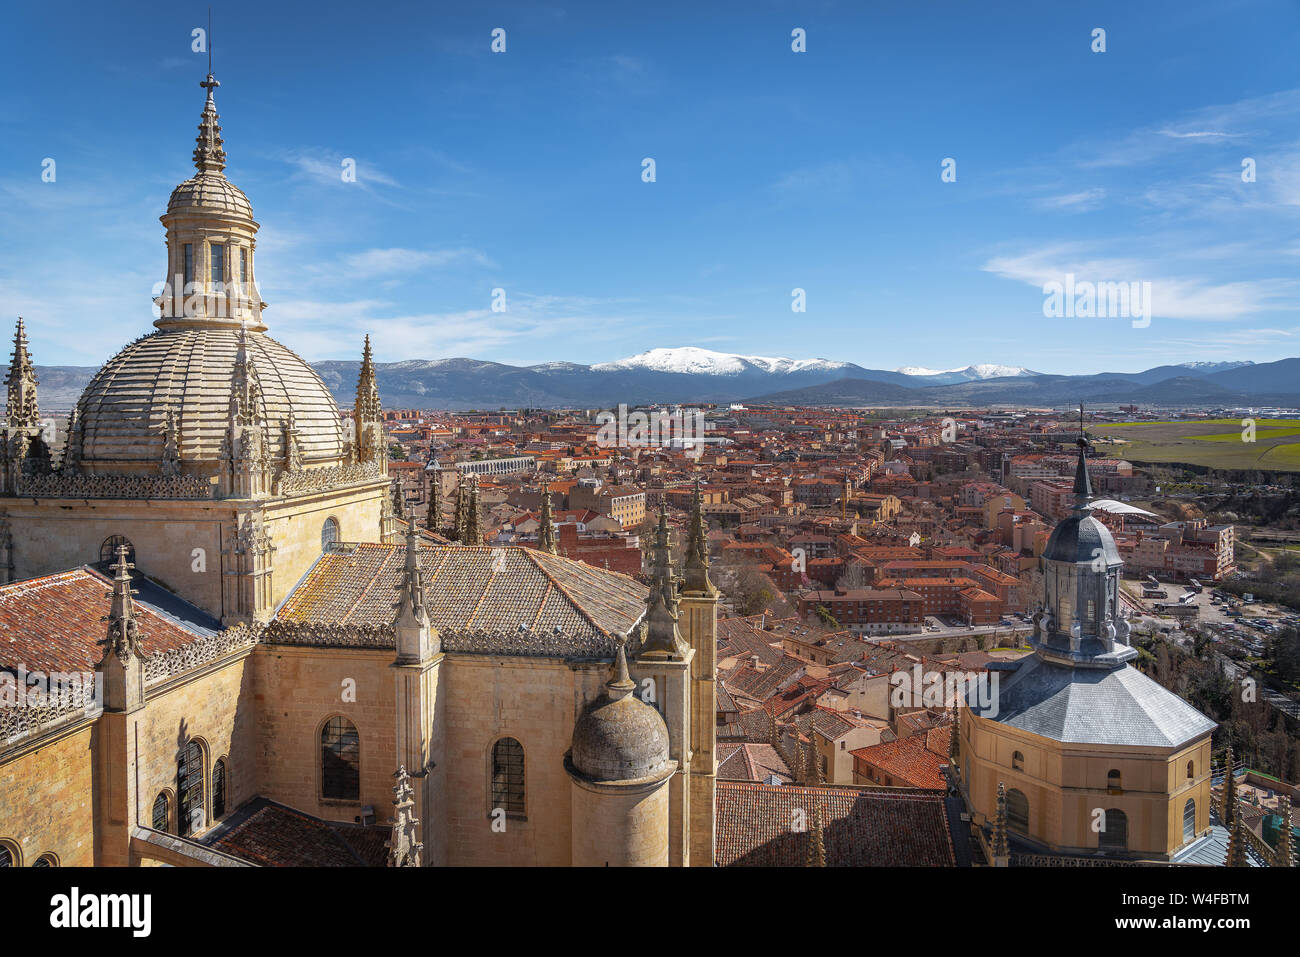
[209,194]
[192,372]
[620,738]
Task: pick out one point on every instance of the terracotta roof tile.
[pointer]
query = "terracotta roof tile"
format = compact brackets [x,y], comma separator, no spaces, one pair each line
[55,622]
[467,588]
[860,827]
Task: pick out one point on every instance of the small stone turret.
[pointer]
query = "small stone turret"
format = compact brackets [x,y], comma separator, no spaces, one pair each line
[620,768]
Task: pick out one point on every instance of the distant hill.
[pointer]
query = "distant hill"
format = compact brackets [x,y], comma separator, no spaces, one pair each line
[687,375]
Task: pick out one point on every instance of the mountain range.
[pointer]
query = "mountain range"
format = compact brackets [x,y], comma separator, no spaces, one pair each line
[690,374]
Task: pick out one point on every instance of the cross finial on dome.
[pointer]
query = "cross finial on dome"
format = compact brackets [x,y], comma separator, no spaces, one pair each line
[209,157]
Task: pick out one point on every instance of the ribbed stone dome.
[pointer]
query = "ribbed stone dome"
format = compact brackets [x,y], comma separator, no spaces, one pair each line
[209,194]
[123,411]
[620,738]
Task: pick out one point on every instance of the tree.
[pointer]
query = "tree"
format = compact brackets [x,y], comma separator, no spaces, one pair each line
[827,618]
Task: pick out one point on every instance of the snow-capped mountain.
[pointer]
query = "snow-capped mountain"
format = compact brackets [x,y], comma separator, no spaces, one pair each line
[1204,368]
[972,373]
[691,360]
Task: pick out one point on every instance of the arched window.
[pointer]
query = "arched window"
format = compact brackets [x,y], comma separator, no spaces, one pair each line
[1017,811]
[7,856]
[45,860]
[108,550]
[1191,770]
[329,534]
[1113,780]
[161,807]
[1017,761]
[340,760]
[508,777]
[1115,835]
[189,789]
[219,788]
[1189,819]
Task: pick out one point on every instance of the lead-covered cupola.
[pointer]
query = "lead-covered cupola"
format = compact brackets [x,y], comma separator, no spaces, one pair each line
[1081,621]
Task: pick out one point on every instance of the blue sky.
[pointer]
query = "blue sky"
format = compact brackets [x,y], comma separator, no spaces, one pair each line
[775,170]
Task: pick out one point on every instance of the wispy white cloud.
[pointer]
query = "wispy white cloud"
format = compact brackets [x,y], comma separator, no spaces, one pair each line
[372,263]
[1074,202]
[1172,296]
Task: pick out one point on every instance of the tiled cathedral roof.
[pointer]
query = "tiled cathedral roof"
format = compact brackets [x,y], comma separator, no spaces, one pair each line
[469,588]
[861,827]
[55,622]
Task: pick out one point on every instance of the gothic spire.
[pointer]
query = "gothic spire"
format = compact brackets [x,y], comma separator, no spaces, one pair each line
[662,637]
[209,157]
[413,578]
[1236,842]
[462,509]
[21,380]
[1082,483]
[403,849]
[123,637]
[473,516]
[812,765]
[433,520]
[367,405]
[697,548]
[1229,791]
[816,843]
[546,530]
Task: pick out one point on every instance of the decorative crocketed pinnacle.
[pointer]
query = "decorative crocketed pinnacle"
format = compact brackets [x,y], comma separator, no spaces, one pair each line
[662,638]
[433,517]
[123,637]
[816,842]
[21,380]
[209,157]
[367,405]
[546,530]
[812,764]
[697,549]
[403,849]
[1229,791]
[1237,842]
[473,516]
[413,577]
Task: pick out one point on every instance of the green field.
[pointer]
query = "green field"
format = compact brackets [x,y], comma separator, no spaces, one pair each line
[1276,446]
